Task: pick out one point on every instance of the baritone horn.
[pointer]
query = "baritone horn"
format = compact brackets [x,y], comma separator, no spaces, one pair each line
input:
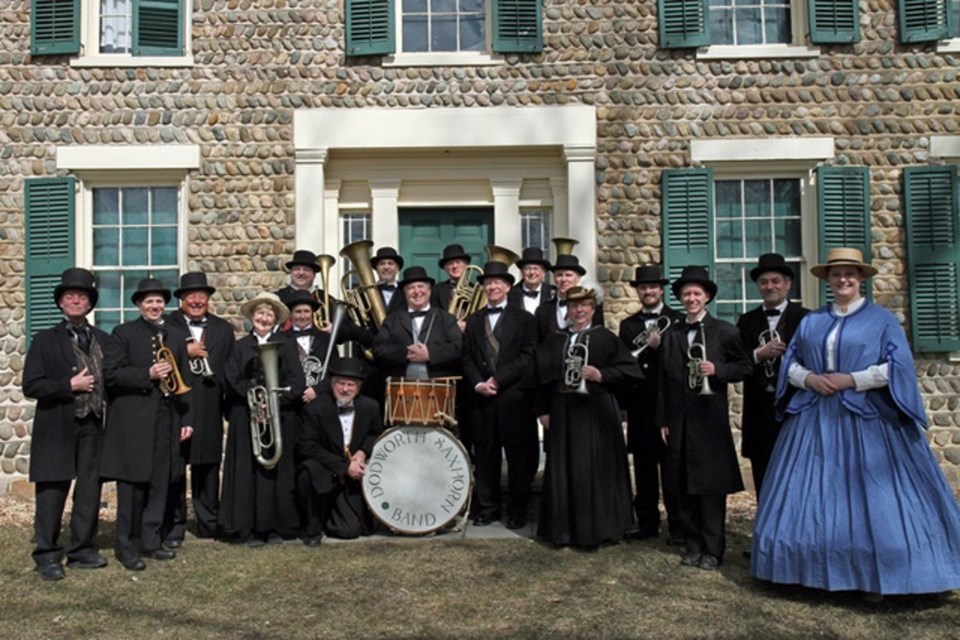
[697,354]
[642,341]
[467,297]
[264,408]
[321,317]
[171,384]
[366,306]
[564,246]
[575,358]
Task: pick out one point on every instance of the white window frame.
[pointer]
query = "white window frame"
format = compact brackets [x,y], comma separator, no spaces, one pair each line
[90,55]
[441,58]
[799,46]
[950,45]
[947,148]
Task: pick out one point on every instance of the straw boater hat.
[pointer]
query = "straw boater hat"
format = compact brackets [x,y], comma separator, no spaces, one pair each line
[148,286]
[496,270]
[771,262]
[843,257]
[80,279]
[301,296]
[387,253]
[649,274]
[416,274]
[348,368]
[579,294]
[533,255]
[193,281]
[303,258]
[453,252]
[695,274]
[267,298]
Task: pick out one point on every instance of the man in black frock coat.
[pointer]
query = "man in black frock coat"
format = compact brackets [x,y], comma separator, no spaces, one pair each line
[640,400]
[532,290]
[209,345]
[454,262]
[759,426]
[64,373]
[552,315]
[145,425]
[696,425]
[388,263]
[333,445]
[497,347]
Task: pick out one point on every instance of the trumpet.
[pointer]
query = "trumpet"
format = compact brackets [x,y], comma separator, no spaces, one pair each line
[366,307]
[171,384]
[642,341]
[321,317]
[467,297]
[574,360]
[769,368]
[200,366]
[696,354]
[264,408]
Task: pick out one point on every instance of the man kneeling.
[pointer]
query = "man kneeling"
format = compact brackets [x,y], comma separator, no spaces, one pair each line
[337,435]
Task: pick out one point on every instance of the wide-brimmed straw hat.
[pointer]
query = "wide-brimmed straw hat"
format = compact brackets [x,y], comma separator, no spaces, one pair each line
[271,299]
[843,257]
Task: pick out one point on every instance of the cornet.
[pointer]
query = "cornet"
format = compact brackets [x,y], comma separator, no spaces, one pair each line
[642,341]
[769,368]
[696,354]
[574,360]
[199,366]
[171,384]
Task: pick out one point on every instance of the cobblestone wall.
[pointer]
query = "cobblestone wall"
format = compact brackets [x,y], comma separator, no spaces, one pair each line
[258,61]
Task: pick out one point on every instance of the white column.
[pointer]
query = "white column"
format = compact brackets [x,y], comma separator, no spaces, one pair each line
[507,231]
[331,228]
[581,203]
[310,177]
[558,191]
[384,195]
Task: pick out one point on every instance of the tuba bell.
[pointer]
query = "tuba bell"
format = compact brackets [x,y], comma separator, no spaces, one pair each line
[564,246]
[366,306]
[501,254]
[264,408]
[171,384]
[321,317]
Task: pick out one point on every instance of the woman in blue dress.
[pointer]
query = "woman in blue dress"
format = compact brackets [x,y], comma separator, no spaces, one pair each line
[855,499]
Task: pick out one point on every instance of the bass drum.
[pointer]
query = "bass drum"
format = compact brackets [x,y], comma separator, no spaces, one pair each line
[418,479]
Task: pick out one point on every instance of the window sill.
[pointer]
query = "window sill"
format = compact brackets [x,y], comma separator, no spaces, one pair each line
[132,61]
[445,59]
[728,51]
[949,46]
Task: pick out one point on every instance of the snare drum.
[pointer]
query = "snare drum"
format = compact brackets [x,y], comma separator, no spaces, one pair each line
[421,402]
[418,479]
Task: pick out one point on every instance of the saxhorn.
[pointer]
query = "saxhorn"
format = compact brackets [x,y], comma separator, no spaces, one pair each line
[264,405]
[697,354]
[171,384]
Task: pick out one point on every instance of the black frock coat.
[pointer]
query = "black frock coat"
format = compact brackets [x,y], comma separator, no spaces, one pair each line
[701,458]
[546,316]
[318,349]
[349,330]
[134,400]
[205,446]
[441,294]
[47,371]
[444,343]
[510,412]
[515,297]
[254,497]
[759,426]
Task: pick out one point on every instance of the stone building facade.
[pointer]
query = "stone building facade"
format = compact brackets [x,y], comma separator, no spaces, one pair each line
[261,132]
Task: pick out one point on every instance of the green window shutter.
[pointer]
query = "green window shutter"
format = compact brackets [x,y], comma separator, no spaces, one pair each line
[834,21]
[687,219]
[516,26]
[48,215]
[54,27]
[923,20]
[370,27]
[843,198]
[158,28]
[684,23]
[933,256]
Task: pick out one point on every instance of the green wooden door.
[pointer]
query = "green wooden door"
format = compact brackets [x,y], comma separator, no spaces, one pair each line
[425,232]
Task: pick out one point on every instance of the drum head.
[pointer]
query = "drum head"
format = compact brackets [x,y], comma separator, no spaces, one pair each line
[418,479]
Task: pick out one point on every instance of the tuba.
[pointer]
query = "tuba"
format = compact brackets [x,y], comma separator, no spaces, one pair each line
[321,317]
[575,357]
[641,342]
[697,353]
[501,254]
[264,408]
[171,384]
[366,305]
[564,246]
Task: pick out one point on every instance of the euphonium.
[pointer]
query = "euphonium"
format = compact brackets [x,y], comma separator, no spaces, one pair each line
[321,317]
[697,353]
[199,366]
[366,305]
[264,408]
[467,297]
[575,357]
[564,246]
[769,335]
[642,341]
[171,384]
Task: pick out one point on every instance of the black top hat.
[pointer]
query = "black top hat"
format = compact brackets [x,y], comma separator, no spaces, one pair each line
[532,255]
[387,253]
[771,262]
[496,270]
[193,281]
[694,274]
[453,252]
[304,258]
[348,368]
[568,262]
[148,286]
[77,278]
[649,274]
[301,296]
[416,274]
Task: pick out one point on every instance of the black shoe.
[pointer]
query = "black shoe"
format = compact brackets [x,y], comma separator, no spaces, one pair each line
[676,541]
[484,519]
[709,562]
[52,571]
[135,563]
[516,523]
[691,559]
[255,541]
[90,560]
[312,541]
[641,534]
[173,544]
[161,554]
[274,538]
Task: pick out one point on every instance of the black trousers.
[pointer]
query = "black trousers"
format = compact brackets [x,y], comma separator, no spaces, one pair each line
[142,514]
[703,519]
[313,505]
[649,474]
[205,494]
[51,497]
[522,461]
